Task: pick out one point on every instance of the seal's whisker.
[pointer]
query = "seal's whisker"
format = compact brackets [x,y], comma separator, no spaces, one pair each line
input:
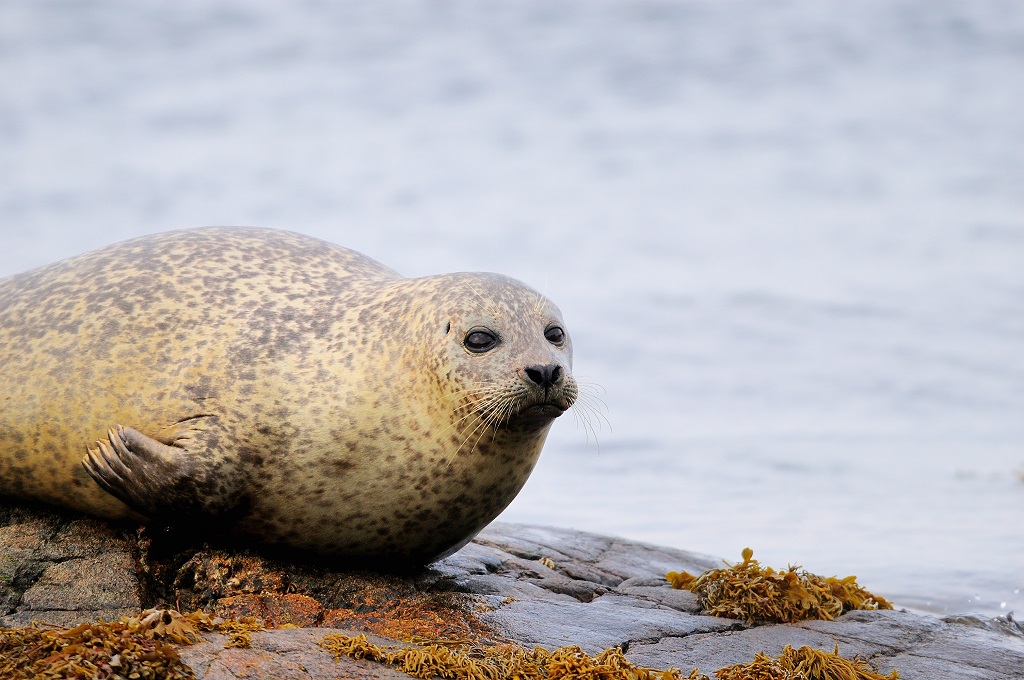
[463,439]
[582,417]
[480,435]
[589,430]
[596,407]
[589,386]
[493,410]
[504,414]
[588,391]
[477,387]
[510,409]
[540,301]
[473,413]
[585,379]
[593,400]
[494,309]
[482,398]
[479,426]
[583,420]
[479,418]
[472,425]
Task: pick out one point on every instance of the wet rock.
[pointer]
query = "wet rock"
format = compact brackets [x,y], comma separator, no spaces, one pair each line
[530,585]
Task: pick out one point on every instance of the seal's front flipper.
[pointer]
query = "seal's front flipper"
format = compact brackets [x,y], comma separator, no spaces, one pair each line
[168,483]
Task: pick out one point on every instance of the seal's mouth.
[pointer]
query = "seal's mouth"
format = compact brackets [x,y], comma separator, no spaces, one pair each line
[523,408]
[547,409]
[536,415]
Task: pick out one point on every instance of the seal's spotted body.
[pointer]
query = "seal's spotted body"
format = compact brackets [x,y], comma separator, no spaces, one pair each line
[293,391]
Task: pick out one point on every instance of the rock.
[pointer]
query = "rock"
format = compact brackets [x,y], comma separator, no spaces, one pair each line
[530,585]
[64,570]
[286,654]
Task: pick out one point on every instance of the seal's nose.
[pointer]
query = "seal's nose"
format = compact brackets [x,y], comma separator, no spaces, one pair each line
[545,376]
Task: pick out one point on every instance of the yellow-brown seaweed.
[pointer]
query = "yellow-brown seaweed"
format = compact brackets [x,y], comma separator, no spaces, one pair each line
[142,647]
[87,651]
[137,647]
[511,662]
[499,662]
[759,594]
[805,663]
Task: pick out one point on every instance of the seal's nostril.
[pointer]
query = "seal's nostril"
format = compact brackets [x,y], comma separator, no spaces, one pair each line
[544,376]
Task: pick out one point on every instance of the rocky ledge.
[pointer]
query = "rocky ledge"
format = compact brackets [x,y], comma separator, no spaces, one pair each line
[530,585]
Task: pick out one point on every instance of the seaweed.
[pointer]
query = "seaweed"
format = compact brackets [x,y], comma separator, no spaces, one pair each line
[805,663]
[511,662]
[137,647]
[759,594]
[91,650]
[498,662]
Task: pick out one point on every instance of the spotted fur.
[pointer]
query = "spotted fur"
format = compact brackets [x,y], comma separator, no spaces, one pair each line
[292,391]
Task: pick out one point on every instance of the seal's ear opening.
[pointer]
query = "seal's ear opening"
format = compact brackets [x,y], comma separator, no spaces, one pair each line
[448,328]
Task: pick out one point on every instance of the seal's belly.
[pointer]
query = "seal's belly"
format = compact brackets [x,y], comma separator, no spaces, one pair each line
[415,507]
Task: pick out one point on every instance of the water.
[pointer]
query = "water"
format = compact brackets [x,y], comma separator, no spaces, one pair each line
[788,238]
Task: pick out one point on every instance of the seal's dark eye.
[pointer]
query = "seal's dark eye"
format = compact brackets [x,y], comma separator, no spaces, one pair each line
[555,335]
[480,341]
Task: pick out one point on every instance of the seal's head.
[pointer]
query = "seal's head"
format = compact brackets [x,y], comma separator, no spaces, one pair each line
[509,354]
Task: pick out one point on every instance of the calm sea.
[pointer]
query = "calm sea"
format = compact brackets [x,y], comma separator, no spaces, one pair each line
[788,238]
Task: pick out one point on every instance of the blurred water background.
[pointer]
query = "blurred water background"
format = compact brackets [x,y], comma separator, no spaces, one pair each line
[788,238]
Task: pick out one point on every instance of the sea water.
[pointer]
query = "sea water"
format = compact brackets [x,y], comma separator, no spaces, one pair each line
[787,238]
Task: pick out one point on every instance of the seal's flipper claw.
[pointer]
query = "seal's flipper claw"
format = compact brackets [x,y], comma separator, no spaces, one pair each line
[166,483]
[99,464]
[114,436]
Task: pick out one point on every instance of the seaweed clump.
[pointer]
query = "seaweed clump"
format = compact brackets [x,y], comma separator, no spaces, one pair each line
[95,650]
[759,594]
[499,662]
[137,647]
[805,663]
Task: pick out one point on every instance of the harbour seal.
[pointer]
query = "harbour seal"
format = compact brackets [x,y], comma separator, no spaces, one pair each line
[280,388]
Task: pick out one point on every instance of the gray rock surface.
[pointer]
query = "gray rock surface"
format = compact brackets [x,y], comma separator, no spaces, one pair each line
[280,655]
[605,591]
[531,585]
[63,570]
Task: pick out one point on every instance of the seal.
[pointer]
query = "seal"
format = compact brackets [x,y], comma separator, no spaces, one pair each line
[279,389]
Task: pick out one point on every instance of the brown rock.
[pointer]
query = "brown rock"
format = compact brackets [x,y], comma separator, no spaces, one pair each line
[274,610]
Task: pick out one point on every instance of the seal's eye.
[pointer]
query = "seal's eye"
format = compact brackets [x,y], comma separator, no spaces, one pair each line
[555,335]
[480,340]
